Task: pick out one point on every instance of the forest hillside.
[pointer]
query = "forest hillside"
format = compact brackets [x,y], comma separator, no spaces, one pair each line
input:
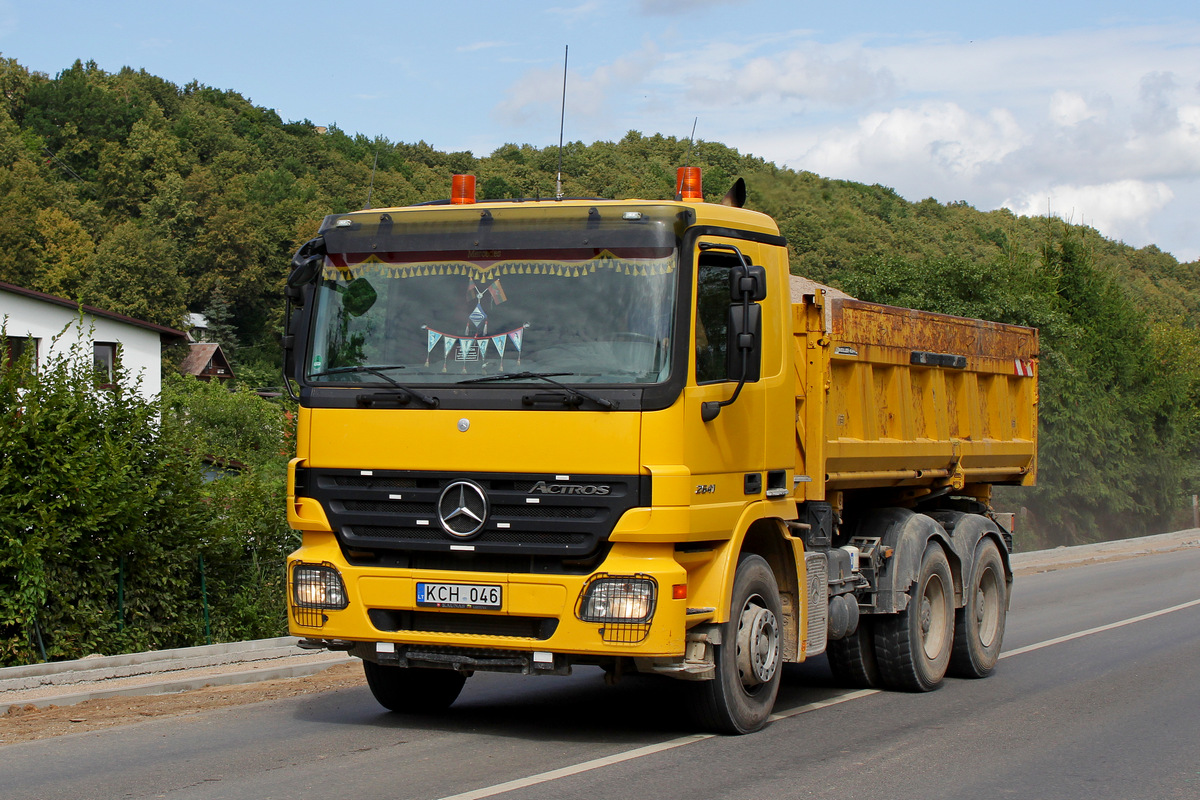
[128,192]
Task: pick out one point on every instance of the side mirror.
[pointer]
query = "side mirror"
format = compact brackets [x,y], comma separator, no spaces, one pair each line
[748,279]
[743,353]
[307,263]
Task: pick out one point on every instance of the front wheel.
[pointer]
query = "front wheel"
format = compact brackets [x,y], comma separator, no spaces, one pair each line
[748,660]
[410,690]
[913,646]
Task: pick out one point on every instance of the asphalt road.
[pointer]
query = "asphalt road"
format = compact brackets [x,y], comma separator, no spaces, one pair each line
[1097,696]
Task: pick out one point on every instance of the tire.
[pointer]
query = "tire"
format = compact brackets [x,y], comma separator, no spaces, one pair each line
[852,658]
[748,660]
[979,624]
[913,647]
[409,690]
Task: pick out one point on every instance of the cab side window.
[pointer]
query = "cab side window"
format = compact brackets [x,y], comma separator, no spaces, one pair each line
[712,315]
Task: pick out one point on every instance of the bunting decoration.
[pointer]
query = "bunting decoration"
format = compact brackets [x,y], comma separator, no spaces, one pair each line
[449,345]
[474,348]
[347,266]
[432,340]
[498,343]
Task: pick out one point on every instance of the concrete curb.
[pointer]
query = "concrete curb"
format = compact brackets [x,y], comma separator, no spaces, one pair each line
[129,664]
[159,686]
[1040,560]
[159,672]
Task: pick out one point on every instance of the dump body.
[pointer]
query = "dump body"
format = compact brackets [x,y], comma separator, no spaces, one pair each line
[912,398]
[535,436]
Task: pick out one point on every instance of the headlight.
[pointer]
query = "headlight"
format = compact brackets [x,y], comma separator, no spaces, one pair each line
[618,599]
[318,586]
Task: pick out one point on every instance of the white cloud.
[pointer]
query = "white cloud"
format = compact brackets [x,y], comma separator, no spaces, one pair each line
[1121,210]
[814,73]
[1070,108]
[1105,120]
[576,13]
[682,6]
[538,93]
[477,46]
[943,137]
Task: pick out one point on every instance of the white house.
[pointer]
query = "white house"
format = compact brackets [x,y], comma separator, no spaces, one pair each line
[35,319]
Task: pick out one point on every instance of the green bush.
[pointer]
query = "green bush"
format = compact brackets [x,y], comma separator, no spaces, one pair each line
[108,521]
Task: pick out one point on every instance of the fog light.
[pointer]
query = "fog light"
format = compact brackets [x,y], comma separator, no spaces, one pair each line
[318,586]
[618,599]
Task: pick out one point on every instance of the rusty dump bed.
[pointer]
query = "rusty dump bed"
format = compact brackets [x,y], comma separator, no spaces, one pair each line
[913,398]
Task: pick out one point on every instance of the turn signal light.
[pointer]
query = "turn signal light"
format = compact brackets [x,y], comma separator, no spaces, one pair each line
[687,184]
[462,190]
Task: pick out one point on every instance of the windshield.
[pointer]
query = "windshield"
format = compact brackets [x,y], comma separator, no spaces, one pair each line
[555,297]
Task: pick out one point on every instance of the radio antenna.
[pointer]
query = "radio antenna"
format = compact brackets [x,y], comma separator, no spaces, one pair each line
[562,120]
[375,164]
[687,161]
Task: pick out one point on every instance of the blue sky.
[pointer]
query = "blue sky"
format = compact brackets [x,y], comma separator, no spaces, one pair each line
[1089,109]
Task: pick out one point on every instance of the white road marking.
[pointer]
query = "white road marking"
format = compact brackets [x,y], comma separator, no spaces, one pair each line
[629,755]
[575,769]
[1100,629]
[683,741]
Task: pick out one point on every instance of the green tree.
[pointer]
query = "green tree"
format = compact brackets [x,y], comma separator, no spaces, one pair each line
[135,273]
[65,252]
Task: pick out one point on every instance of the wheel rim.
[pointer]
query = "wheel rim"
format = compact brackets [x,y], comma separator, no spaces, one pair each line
[933,617]
[757,644]
[987,607]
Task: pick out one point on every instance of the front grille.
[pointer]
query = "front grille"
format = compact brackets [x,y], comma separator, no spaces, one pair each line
[528,515]
[543,512]
[540,628]
[389,508]
[359,481]
[515,540]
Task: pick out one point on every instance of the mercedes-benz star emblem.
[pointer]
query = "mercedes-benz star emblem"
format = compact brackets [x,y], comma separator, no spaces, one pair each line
[462,509]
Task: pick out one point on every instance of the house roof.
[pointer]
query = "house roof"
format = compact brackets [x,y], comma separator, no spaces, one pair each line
[162,330]
[199,356]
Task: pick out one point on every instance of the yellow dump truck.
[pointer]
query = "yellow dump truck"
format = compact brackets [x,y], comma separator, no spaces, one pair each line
[539,435]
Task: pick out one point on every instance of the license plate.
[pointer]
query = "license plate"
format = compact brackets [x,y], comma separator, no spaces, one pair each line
[459,595]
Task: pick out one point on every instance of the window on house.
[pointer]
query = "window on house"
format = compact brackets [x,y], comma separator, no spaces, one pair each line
[105,360]
[15,347]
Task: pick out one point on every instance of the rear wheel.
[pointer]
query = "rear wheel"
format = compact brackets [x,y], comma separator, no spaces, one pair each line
[413,691]
[852,658]
[913,646]
[748,660]
[979,625]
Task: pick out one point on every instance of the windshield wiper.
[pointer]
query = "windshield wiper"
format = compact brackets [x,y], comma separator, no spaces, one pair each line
[379,372]
[548,377]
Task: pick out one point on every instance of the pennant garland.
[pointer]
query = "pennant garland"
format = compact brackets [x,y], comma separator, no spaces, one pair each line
[394,265]
[468,345]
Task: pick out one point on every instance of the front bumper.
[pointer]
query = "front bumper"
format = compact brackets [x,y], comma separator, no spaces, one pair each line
[539,612]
